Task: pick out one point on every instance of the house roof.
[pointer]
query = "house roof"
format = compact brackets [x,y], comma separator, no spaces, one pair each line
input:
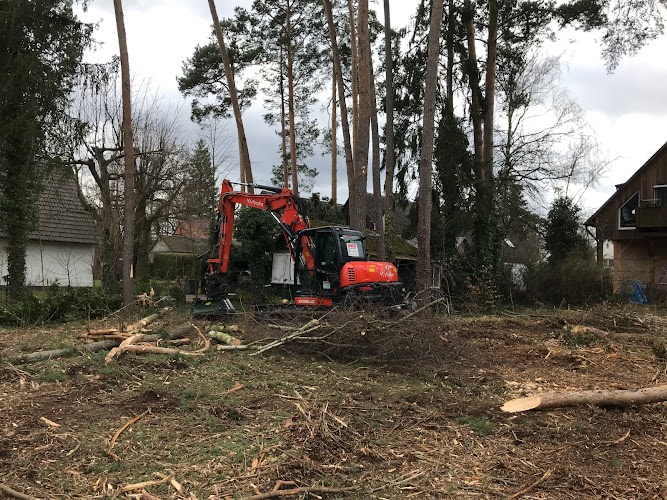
[194,227]
[60,215]
[591,220]
[182,245]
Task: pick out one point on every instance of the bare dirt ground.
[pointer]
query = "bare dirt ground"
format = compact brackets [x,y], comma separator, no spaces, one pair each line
[407,410]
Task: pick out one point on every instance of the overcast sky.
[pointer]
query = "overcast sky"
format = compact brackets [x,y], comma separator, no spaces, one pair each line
[627,109]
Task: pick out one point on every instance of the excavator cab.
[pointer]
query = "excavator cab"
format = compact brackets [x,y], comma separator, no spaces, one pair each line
[332,264]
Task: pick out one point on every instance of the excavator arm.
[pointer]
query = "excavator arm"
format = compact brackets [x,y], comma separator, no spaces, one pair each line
[285,207]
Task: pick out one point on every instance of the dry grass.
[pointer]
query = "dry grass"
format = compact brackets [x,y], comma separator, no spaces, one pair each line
[398,412]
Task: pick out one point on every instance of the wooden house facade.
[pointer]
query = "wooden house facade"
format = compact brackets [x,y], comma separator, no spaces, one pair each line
[634,220]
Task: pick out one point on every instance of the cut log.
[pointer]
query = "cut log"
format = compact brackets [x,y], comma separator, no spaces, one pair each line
[223,337]
[105,331]
[225,328]
[159,350]
[600,398]
[101,345]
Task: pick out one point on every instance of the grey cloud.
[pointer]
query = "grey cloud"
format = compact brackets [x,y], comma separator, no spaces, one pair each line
[629,90]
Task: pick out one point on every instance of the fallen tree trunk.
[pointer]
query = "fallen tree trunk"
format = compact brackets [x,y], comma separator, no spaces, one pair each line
[101,345]
[159,350]
[600,398]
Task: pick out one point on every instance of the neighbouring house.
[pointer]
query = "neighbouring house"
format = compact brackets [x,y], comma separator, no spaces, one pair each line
[176,257]
[62,247]
[179,246]
[631,226]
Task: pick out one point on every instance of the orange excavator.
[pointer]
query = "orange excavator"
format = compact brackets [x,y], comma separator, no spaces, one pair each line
[331,264]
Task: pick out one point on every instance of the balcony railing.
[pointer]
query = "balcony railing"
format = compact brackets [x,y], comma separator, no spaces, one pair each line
[652,218]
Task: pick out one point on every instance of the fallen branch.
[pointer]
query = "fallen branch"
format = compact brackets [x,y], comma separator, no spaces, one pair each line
[237,387]
[600,398]
[403,480]
[15,494]
[532,485]
[48,422]
[242,347]
[133,339]
[144,322]
[120,431]
[205,339]
[298,491]
[313,324]
[144,484]
[423,308]
[172,480]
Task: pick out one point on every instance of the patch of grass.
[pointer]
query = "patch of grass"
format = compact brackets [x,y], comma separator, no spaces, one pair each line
[44,341]
[481,426]
[51,375]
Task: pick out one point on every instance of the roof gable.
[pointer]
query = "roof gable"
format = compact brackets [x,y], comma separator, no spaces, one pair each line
[619,187]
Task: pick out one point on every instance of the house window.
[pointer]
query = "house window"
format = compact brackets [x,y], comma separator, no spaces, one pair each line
[627,214]
[660,195]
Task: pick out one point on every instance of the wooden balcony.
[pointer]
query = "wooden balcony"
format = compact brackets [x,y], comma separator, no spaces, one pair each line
[652,218]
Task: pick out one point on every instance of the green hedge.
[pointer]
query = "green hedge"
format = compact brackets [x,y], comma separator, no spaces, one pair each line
[59,305]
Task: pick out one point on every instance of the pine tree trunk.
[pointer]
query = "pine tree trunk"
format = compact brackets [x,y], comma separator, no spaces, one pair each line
[426,158]
[486,230]
[345,125]
[128,150]
[388,233]
[334,142]
[377,186]
[358,220]
[473,77]
[290,101]
[244,155]
[283,129]
[354,77]
[451,29]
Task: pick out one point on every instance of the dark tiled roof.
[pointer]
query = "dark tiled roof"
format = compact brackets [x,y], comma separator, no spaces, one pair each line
[182,244]
[61,216]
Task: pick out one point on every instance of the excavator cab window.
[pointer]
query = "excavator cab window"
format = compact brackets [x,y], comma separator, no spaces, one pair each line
[352,246]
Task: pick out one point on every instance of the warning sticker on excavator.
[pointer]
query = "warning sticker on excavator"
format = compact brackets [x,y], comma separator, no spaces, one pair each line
[352,250]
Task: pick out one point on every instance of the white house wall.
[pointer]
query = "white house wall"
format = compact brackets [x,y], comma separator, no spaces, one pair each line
[49,262]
